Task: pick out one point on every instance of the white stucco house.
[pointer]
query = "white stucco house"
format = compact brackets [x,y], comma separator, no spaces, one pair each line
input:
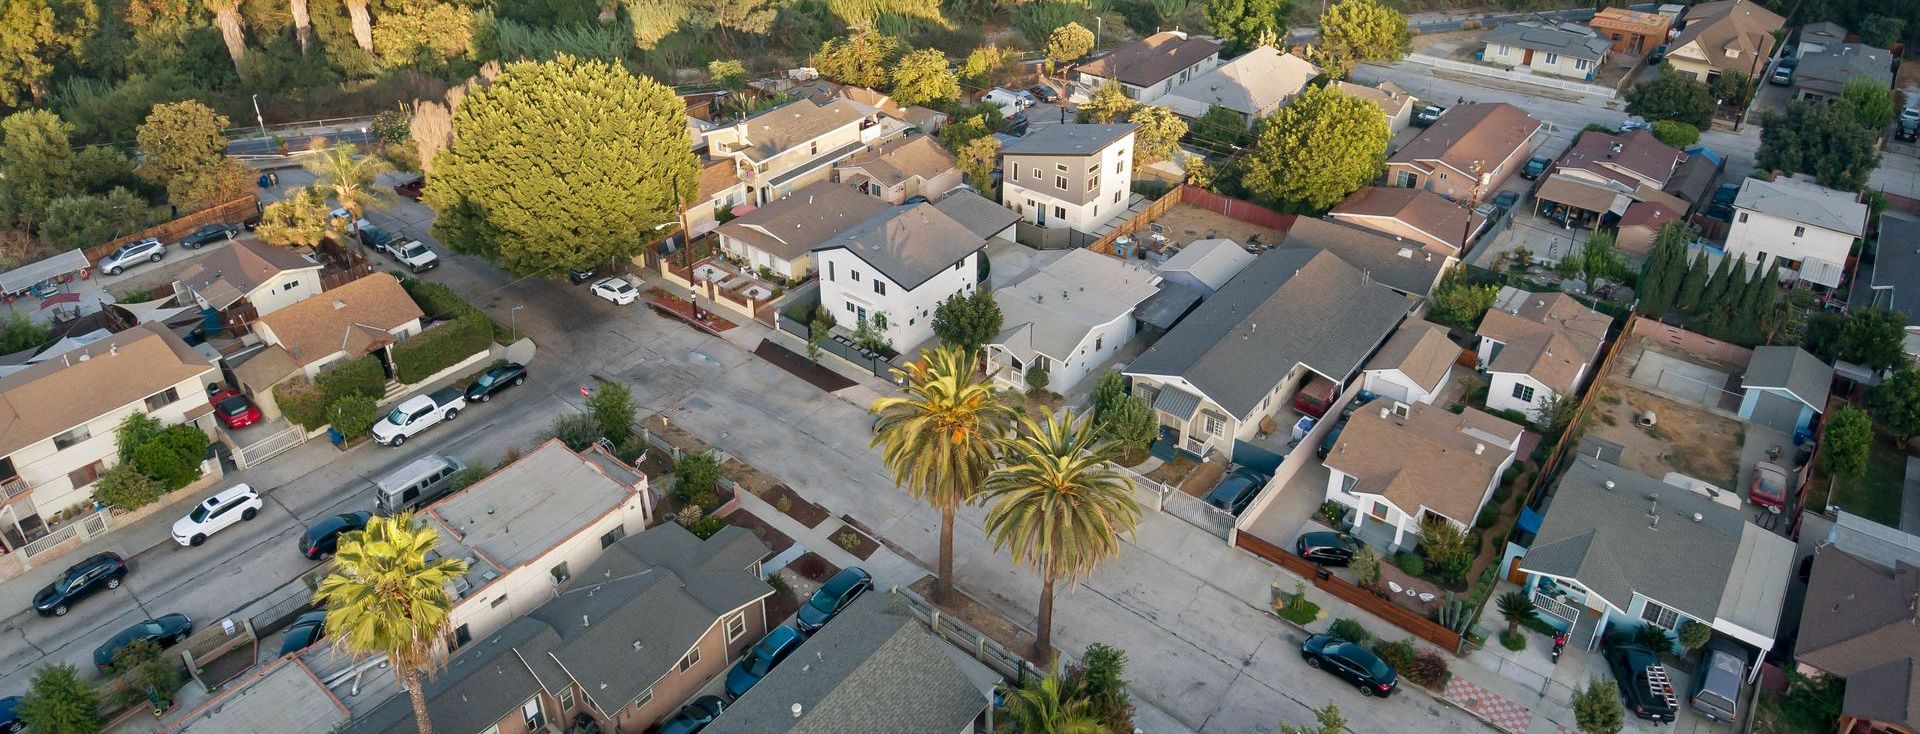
[893,269]
[1414,366]
[780,236]
[1151,66]
[1068,317]
[1538,346]
[1567,50]
[248,279]
[1808,228]
[1398,465]
[1069,175]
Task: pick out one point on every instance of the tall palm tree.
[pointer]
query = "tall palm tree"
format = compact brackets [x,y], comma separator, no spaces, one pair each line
[1058,505]
[1040,707]
[385,598]
[302,24]
[938,439]
[226,15]
[342,171]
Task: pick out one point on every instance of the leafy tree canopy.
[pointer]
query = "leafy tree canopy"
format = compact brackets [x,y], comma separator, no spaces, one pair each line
[1872,103]
[1317,149]
[922,78]
[1869,336]
[1845,443]
[37,159]
[1822,139]
[1158,134]
[1676,134]
[299,219]
[1109,104]
[562,164]
[1069,42]
[1358,31]
[861,60]
[1895,403]
[1672,96]
[183,147]
[967,321]
[1246,24]
[58,701]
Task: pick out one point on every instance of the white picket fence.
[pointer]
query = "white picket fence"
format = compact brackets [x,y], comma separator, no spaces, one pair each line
[1513,75]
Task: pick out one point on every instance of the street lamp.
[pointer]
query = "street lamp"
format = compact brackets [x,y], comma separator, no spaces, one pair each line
[513,321]
[257,117]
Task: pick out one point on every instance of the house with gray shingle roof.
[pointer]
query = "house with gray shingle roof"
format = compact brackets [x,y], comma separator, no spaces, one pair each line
[1567,50]
[1620,549]
[1821,76]
[1858,623]
[625,643]
[1807,228]
[876,669]
[1893,282]
[893,269]
[1536,347]
[1151,66]
[1297,312]
[1069,175]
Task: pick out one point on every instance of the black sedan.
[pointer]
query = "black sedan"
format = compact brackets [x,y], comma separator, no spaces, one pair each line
[166,631]
[206,236]
[1326,549]
[695,715]
[1237,490]
[582,275]
[80,581]
[320,540]
[305,631]
[1352,662]
[1045,93]
[832,597]
[511,374]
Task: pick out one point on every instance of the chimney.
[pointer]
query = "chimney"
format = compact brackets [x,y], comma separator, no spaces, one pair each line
[584,622]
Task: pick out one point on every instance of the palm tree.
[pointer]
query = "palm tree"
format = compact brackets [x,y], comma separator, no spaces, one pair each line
[1039,708]
[302,25]
[1058,505]
[226,15]
[341,171]
[1516,608]
[385,598]
[938,439]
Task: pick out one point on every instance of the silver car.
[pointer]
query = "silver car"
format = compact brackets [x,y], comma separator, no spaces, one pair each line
[147,250]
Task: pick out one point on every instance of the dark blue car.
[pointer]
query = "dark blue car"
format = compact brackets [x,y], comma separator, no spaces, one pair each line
[165,631]
[1237,490]
[759,661]
[10,722]
[694,716]
[305,631]
[832,597]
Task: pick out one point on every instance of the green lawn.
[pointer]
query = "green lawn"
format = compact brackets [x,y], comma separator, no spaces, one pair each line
[1876,496]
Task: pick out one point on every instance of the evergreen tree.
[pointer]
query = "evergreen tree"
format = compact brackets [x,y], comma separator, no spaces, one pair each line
[1694,284]
[1717,285]
[1762,301]
[1658,279]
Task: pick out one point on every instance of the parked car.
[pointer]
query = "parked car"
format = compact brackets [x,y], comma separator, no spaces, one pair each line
[417,484]
[1642,680]
[1005,99]
[133,253]
[375,237]
[511,374]
[582,275]
[1717,679]
[1783,74]
[694,716]
[305,631]
[166,631]
[323,538]
[250,223]
[412,188]
[234,504]
[1237,489]
[1536,167]
[1027,99]
[234,409]
[1634,123]
[1428,115]
[1325,548]
[759,660]
[1045,93]
[833,596]
[206,236]
[1018,125]
[419,413]
[1908,126]
[10,722]
[79,581]
[1769,487]
[1314,398]
[1505,200]
[617,290]
[412,253]
[1352,662]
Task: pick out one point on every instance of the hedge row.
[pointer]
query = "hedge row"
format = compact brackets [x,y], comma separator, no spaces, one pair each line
[442,346]
[437,301]
[303,402]
[361,375]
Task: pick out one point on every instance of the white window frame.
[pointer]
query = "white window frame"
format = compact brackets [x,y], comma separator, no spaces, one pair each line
[533,713]
[1214,426]
[566,699]
[1552,58]
[690,659]
[736,626]
[1652,612]
[1523,392]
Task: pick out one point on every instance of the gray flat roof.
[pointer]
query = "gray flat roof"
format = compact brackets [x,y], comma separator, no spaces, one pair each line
[283,698]
[1896,267]
[1791,369]
[1069,139]
[532,505]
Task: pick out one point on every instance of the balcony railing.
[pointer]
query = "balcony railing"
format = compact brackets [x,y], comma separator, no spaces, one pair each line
[14,486]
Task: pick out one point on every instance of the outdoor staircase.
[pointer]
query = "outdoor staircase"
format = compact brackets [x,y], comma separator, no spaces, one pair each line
[394,391]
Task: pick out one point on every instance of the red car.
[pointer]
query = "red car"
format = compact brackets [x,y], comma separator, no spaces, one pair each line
[234,409]
[1315,397]
[1769,488]
[411,189]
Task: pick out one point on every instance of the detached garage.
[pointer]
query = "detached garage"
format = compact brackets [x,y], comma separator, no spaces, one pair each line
[1414,365]
[1785,387]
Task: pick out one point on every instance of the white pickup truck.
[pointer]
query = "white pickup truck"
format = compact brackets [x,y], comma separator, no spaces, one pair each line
[412,253]
[419,413]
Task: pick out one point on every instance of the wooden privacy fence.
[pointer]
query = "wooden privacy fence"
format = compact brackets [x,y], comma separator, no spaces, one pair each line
[171,232]
[1231,208]
[1398,616]
[1139,221]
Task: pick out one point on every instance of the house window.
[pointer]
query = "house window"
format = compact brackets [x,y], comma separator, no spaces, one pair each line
[1215,426]
[645,698]
[849,307]
[289,286]
[1060,167]
[690,659]
[879,288]
[1348,482]
[495,604]
[1121,167]
[830,272]
[1523,393]
[813,148]
[566,699]
[1116,197]
[1060,182]
[1582,64]
[1380,510]
[1405,180]
[1743,217]
[1659,616]
[1093,184]
[162,399]
[1552,59]
[85,475]
[530,711]
[613,536]
[854,274]
[1799,231]
[1059,212]
[1013,171]
[736,626]
[1505,49]
[560,574]
[70,438]
[1098,341]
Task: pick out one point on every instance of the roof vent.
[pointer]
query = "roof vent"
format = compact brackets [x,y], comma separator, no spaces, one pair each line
[1384,412]
[339,304]
[637,646]
[1479,448]
[85,356]
[1608,484]
[1697,517]
[584,622]
[797,709]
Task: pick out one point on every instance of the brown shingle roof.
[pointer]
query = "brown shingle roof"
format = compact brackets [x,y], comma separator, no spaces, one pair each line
[1426,459]
[1483,133]
[46,399]
[775,131]
[1563,189]
[1859,623]
[1421,351]
[1389,96]
[231,273]
[1549,337]
[793,226]
[1639,153]
[355,317]
[1417,208]
[1740,24]
[892,164]
[717,177]
[1151,60]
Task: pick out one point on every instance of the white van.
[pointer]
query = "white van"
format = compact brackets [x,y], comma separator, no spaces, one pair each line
[1005,99]
[415,485]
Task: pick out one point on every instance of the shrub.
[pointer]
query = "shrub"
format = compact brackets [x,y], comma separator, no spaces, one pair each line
[172,457]
[59,701]
[1412,564]
[467,477]
[1397,655]
[1333,512]
[847,539]
[1513,641]
[696,475]
[576,430]
[443,346]
[1488,516]
[1037,378]
[1365,566]
[1429,670]
[1300,612]
[353,415]
[125,488]
[302,402]
[1349,630]
[1694,635]
[435,300]
[1655,638]
[357,376]
[142,667]
[707,526]
[1675,133]
[611,405]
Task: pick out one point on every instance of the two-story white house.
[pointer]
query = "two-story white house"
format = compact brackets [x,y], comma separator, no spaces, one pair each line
[530,526]
[248,279]
[916,165]
[1397,465]
[892,270]
[58,417]
[780,236]
[1068,317]
[1808,228]
[1535,347]
[1151,66]
[1566,50]
[1069,175]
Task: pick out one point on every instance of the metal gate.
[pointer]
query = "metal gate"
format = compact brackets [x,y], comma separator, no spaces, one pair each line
[271,446]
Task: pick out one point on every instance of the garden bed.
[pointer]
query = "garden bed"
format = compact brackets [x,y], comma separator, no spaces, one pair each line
[854,539]
[976,615]
[775,540]
[812,567]
[791,504]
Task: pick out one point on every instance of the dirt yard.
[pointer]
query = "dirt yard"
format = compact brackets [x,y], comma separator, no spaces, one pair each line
[1684,439]
[1185,224]
[1448,43]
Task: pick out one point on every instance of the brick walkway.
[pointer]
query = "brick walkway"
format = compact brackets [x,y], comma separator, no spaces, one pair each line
[1503,714]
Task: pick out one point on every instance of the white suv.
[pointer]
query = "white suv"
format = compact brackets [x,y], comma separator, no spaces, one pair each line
[231,505]
[149,250]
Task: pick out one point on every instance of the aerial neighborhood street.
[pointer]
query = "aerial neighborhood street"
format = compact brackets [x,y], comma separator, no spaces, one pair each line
[900,367]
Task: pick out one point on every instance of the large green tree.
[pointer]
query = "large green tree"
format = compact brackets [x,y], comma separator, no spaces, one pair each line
[1597,708]
[1871,101]
[861,59]
[1109,104]
[1822,139]
[1871,336]
[1672,96]
[1246,24]
[386,594]
[1665,269]
[1068,42]
[1157,134]
[58,701]
[36,159]
[1317,149]
[85,220]
[967,321]
[183,147]
[922,77]
[560,165]
[34,36]
[1845,443]
[1895,403]
[1358,31]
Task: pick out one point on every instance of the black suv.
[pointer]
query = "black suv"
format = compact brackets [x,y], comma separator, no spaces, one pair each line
[1350,661]
[832,597]
[166,632]
[323,538]
[1643,681]
[206,236]
[78,582]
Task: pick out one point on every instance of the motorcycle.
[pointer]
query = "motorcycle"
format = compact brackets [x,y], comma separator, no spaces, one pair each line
[1559,643]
